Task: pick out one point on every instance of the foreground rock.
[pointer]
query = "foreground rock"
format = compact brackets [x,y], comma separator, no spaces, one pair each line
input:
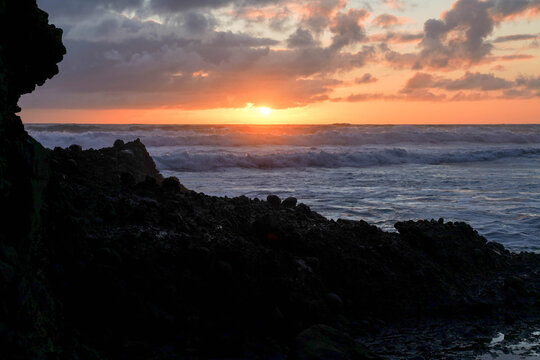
[145,266]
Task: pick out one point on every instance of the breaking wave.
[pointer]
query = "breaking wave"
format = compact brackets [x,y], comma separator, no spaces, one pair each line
[186,161]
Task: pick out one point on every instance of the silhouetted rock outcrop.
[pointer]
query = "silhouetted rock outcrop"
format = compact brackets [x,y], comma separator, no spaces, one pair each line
[164,267]
[30,48]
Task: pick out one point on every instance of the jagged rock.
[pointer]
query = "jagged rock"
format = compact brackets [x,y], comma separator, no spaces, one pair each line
[173,183]
[289,202]
[30,49]
[118,143]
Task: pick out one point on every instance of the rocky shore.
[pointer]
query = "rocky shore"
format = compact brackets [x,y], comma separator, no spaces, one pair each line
[103,258]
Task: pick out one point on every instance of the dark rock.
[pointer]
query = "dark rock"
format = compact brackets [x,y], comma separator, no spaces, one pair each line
[224,270]
[303,209]
[71,166]
[30,49]
[75,148]
[118,143]
[324,342]
[289,202]
[173,184]
[334,302]
[277,316]
[8,254]
[516,284]
[7,273]
[274,201]
[127,179]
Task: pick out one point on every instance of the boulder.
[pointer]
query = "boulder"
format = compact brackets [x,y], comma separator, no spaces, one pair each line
[274,201]
[289,202]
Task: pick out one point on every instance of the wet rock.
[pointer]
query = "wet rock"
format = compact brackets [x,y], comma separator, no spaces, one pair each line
[274,201]
[289,202]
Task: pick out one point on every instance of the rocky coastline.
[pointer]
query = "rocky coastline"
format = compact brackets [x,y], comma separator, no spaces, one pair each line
[103,258]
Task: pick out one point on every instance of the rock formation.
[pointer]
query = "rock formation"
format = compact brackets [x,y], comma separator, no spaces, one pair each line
[30,49]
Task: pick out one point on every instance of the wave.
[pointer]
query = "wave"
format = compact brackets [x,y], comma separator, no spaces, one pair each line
[309,136]
[185,161]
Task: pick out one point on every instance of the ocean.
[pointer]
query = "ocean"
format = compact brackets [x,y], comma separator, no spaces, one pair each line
[487,176]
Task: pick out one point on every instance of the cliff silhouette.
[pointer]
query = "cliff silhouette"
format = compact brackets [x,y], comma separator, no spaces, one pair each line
[30,49]
[103,258]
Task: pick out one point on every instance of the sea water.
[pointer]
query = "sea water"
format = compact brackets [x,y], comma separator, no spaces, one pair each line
[487,176]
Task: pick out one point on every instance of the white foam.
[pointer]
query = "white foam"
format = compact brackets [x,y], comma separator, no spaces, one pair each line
[197,161]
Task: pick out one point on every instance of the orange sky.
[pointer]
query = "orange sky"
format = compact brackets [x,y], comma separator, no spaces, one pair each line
[310,62]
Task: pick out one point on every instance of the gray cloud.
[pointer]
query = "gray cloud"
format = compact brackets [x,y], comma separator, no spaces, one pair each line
[347,29]
[366,79]
[397,37]
[529,82]
[470,81]
[459,37]
[302,38]
[516,37]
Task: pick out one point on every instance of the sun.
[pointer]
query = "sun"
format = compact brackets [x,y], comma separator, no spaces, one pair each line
[265,111]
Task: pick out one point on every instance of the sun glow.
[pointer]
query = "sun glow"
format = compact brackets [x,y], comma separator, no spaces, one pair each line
[265,111]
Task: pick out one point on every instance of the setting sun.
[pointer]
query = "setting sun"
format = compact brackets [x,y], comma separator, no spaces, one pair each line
[265,111]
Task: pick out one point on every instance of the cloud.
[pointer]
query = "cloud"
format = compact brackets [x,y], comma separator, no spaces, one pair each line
[517,37]
[397,37]
[119,61]
[530,82]
[514,57]
[470,81]
[302,38]
[387,21]
[347,28]
[366,79]
[459,38]
[318,14]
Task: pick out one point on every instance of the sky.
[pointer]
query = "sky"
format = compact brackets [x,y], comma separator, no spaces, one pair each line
[282,61]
